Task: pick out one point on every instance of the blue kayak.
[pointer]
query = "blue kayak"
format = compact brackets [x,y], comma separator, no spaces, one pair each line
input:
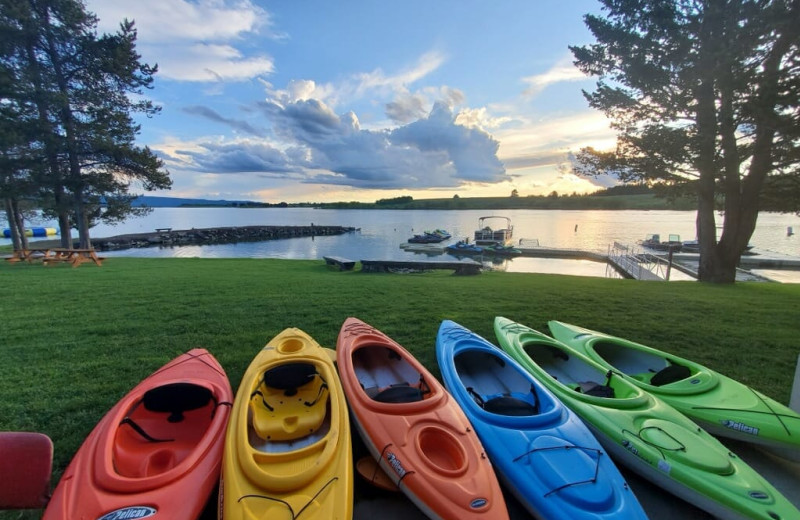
[540,449]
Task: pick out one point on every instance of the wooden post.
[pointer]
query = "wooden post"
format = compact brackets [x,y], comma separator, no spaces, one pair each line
[669,260]
[794,400]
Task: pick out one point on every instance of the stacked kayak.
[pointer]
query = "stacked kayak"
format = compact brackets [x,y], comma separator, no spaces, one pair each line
[414,428]
[721,405]
[163,440]
[543,452]
[644,433]
[288,448]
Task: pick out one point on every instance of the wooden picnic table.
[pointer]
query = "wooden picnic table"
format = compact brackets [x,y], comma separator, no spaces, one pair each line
[53,255]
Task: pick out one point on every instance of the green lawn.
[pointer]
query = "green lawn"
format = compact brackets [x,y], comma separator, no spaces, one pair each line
[76,340]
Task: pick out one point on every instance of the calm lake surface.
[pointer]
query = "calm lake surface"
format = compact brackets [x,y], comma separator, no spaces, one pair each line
[382,231]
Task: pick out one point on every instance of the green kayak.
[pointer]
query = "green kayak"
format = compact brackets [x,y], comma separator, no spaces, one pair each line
[721,405]
[644,433]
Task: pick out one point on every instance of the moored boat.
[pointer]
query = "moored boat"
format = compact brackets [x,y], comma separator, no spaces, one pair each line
[414,429]
[644,433]
[430,237]
[541,450]
[654,242]
[162,440]
[485,235]
[288,447]
[721,405]
[462,247]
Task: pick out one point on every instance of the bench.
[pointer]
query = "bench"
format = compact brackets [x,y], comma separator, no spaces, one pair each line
[464,267]
[344,264]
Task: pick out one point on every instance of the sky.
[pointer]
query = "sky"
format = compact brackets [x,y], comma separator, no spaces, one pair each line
[360,100]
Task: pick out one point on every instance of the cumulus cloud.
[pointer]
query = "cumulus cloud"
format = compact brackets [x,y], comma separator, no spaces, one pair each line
[472,152]
[322,147]
[193,41]
[406,108]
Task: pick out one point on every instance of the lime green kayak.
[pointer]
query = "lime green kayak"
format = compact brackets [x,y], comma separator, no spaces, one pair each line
[721,405]
[644,433]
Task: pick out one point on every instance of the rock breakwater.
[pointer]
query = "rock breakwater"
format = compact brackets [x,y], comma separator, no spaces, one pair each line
[222,235]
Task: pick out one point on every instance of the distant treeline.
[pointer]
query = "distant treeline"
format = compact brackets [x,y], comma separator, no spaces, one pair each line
[616,198]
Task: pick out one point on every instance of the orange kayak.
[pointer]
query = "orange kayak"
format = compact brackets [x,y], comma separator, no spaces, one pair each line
[413,427]
[157,452]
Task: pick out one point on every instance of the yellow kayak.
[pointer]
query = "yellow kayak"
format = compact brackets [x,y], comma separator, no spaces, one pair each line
[287,449]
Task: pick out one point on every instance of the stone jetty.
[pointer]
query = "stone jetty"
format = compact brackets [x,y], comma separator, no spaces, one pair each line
[223,235]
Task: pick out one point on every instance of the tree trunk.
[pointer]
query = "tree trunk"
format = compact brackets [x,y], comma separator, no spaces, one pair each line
[12,225]
[18,224]
[85,242]
[706,119]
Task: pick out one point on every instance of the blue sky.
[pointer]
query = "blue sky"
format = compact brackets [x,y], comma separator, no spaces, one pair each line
[360,100]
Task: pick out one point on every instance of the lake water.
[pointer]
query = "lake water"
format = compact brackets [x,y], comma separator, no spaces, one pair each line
[382,231]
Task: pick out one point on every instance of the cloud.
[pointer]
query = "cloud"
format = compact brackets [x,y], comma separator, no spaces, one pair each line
[562,71]
[193,41]
[236,124]
[237,157]
[376,79]
[472,152]
[406,108]
[321,147]
[374,85]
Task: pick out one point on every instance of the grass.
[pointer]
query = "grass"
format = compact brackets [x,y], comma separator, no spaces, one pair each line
[74,341]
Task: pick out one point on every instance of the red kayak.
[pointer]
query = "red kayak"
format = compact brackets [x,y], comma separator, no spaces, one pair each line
[157,452]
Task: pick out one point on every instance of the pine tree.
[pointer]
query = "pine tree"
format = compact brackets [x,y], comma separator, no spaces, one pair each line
[80,85]
[702,94]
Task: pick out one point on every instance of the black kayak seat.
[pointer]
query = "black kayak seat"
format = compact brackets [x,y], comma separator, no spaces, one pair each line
[507,405]
[176,398]
[595,389]
[401,393]
[290,376]
[670,374]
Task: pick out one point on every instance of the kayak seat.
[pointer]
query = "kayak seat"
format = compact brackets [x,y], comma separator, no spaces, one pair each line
[176,398]
[594,389]
[288,413]
[670,374]
[399,393]
[290,376]
[507,405]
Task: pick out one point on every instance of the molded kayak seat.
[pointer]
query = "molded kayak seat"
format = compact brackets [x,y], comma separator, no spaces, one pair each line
[507,405]
[670,374]
[287,412]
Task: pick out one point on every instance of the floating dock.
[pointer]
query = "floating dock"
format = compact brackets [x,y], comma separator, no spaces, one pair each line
[631,262]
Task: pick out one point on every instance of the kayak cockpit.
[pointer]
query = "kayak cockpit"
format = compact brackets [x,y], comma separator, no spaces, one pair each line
[289,408]
[160,430]
[571,372]
[387,377]
[654,369]
[498,388]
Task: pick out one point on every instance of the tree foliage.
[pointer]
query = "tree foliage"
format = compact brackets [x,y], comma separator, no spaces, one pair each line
[704,95]
[67,96]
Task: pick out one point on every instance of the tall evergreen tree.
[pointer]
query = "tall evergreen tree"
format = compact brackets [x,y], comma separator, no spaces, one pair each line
[81,86]
[702,93]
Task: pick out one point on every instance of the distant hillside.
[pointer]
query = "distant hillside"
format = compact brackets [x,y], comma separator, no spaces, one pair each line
[176,202]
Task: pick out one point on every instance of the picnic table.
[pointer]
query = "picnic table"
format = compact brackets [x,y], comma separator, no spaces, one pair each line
[54,255]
